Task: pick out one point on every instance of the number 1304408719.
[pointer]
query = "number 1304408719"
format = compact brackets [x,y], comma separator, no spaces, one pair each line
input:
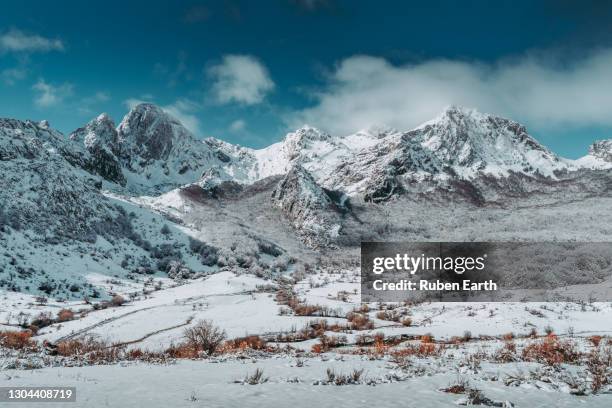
[64,394]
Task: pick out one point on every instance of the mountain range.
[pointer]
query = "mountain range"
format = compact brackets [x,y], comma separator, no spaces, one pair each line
[146,196]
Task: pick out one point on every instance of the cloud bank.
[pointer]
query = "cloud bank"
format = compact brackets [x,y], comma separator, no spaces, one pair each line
[17,41]
[240,78]
[49,95]
[363,91]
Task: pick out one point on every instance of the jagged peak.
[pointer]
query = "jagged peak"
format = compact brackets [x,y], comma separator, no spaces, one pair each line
[602,149]
[307,133]
[104,118]
[148,115]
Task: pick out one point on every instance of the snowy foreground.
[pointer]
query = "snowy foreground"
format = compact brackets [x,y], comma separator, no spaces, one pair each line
[468,337]
[205,384]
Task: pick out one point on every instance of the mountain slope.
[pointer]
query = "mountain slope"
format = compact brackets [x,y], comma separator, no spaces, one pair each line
[150,152]
[57,229]
[314,212]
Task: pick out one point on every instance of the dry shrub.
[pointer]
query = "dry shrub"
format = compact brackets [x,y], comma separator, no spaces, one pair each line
[507,353]
[427,338]
[43,319]
[312,330]
[380,347]
[91,350]
[460,387]
[317,348]
[595,340]
[418,350]
[551,351]
[17,340]
[406,321]
[364,308]
[359,321]
[256,378]
[343,379]
[182,350]
[388,315]
[329,342]
[117,300]
[204,336]
[598,364]
[304,309]
[80,347]
[244,343]
[508,336]
[64,315]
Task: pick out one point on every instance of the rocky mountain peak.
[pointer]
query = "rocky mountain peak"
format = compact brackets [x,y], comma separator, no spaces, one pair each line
[149,132]
[602,149]
[100,131]
[311,209]
[466,138]
[303,138]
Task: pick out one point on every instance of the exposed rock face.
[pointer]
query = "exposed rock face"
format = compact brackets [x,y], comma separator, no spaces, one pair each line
[602,149]
[149,152]
[42,191]
[100,139]
[455,149]
[314,212]
[148,133]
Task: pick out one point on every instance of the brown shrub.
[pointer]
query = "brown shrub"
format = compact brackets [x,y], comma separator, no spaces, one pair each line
[117,300]
[595,340]
[17,340]
[418,350]
[204,336]
[329,342]
[359,321]
[406,321]
[244,343]
[80,347]
[427,338]
[65,315]
[551,351]
[43,319]
[507,353]
[388,315]
[182,350]
[598,364]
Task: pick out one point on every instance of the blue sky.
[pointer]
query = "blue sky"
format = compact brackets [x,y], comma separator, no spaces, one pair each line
[248,72]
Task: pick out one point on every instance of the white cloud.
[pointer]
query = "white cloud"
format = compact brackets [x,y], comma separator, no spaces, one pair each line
[237,125]
[240,78]
[49,95]
[18,41]
[365,91]
[182,109]
[10,76]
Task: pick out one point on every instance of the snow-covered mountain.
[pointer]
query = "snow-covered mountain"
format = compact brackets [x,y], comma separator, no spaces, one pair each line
[599,157]
[100,198]
[57,228]
[313,211]
[460,145]
[149,152]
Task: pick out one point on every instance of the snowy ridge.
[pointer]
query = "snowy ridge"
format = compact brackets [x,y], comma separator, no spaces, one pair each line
[309,208]
[599,157]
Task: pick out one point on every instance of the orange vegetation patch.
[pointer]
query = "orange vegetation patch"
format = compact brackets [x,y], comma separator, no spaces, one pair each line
[17,340]
[552,351]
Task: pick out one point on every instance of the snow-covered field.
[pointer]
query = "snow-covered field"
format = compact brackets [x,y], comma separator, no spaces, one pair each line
[246,305]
